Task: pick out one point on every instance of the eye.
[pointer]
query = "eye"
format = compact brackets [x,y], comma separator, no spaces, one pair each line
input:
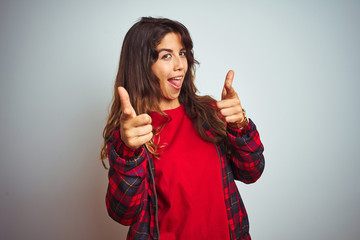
[182,53]
[166,56]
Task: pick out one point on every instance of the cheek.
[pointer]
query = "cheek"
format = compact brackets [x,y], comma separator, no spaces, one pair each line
[186,65]
[161,75]
[159,71]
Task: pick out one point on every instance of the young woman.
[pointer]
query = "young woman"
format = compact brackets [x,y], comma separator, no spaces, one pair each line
[174,155]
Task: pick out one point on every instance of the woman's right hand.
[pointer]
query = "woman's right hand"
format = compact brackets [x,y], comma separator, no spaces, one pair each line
[134,130]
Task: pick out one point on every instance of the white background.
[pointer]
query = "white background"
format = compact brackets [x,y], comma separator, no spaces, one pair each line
[296,71]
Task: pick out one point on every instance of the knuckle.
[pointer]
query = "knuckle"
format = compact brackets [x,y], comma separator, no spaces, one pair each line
[143,118]
[149,128]
[148,137]
[149,120]
[237,101]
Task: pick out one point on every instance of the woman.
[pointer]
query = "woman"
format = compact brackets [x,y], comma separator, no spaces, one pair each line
[174,155]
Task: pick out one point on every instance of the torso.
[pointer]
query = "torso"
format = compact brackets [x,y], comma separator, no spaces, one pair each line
[188,182]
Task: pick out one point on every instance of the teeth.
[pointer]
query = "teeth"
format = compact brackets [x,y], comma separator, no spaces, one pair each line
[177,78]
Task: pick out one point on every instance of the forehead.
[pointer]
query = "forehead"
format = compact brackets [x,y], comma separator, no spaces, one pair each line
[171,41]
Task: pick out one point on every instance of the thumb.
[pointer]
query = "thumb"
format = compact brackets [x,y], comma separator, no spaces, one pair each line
[126,107]
[228,91]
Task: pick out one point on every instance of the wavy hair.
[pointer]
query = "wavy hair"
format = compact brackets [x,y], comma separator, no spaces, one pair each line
[138,54]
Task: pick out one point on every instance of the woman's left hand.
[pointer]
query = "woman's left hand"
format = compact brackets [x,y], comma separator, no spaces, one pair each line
[230,105]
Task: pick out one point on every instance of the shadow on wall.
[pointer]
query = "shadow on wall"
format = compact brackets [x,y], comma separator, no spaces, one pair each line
[103,226]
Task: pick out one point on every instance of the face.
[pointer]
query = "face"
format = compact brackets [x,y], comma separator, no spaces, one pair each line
[170,68]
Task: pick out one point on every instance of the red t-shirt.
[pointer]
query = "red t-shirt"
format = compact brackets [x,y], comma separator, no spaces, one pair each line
[188,182]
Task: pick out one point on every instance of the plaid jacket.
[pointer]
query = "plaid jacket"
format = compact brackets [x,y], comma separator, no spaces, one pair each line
[131,195]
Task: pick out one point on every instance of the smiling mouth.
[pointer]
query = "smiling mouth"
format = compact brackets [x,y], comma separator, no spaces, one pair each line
[176,82]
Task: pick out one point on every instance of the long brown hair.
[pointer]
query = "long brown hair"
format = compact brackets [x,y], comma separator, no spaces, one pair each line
[138,54]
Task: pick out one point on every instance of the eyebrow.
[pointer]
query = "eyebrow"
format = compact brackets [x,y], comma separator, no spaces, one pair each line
[169,50]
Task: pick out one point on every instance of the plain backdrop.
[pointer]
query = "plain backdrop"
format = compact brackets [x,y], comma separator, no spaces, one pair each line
[296,64]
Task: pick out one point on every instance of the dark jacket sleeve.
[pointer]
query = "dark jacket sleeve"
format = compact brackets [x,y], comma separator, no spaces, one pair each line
[246,153]
[128,183]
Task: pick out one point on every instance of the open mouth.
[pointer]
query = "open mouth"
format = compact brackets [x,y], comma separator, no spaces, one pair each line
[175,82]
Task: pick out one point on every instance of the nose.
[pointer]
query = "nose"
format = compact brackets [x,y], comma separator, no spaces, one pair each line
[179,62]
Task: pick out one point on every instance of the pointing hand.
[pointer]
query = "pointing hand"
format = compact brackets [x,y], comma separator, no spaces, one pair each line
[135,130]
[230,105]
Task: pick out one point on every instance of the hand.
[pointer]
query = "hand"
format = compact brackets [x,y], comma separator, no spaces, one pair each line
[134,130]
[230,105]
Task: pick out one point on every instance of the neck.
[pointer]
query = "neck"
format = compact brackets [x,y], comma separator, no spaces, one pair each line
[167,105]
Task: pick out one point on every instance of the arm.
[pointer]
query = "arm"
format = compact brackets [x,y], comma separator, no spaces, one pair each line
[128,183]
[246,148]
[246,153]
[128,173]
